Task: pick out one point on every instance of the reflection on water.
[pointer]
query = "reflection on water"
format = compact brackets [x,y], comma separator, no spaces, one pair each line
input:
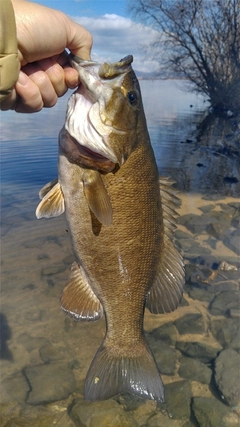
[45,356]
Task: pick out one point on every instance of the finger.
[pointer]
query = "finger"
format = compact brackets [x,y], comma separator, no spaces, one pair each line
[55,74]
[41,79]
[71,77]
[29,98]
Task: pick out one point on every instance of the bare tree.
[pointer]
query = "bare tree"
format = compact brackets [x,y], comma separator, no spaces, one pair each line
[201,40]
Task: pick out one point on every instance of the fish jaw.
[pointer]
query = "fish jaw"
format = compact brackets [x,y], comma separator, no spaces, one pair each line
[82,155]
[99,114]
[79,124]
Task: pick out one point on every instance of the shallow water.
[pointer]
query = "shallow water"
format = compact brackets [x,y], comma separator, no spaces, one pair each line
[44,355]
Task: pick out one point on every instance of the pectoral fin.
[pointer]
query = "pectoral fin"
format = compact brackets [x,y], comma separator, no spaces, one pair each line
[97,197]
[78,299]
[166,292]
[52,203]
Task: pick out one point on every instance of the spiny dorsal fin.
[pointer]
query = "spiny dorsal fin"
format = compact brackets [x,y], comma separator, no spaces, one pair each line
[166,292]
[78,299]
[97,197]
[52,203]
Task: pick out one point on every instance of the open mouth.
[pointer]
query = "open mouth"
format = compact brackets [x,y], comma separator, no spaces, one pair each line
[83,156]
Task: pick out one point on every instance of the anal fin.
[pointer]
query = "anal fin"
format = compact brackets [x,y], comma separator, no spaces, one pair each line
[78,299]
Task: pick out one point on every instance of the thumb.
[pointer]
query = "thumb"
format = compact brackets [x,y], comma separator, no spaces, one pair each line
[79,40]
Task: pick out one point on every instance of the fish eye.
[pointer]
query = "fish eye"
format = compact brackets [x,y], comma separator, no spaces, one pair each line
[133,98]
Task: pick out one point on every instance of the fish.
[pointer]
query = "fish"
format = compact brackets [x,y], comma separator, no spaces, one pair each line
[121,217]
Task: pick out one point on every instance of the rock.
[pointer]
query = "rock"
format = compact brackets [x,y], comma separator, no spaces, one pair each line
[227,376]
[233,241]
[160,419]
[199,294]
[177,399]
[190,324]
[207,208]
[203,352]
[19,422]
[167,333]
[165,356]
[52,353]
[210,412]
[196,224]
[216,230]
[192,369]
[49,383]
[32,343]
[14,389]
[100,414]
[227,332]
[223,302]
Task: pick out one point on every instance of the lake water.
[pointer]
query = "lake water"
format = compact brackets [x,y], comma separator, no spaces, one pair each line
[45,355]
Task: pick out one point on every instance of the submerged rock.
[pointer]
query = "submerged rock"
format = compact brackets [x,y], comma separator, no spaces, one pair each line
[167,333]
[100,414]
[227,376]
[193,369]
[165,356]
[227,332]
[49,383]
[223,302]
[233,241]
[192,323]
[203,352]
[178,399]
[210,412]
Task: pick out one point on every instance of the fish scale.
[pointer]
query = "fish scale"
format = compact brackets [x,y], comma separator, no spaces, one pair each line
[121,231]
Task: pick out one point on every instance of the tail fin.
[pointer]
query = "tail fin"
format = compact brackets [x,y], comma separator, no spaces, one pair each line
[110,375]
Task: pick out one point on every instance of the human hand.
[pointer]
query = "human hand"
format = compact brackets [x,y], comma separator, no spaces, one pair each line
[45,74]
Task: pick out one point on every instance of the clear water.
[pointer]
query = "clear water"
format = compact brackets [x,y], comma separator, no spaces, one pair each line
[201,154]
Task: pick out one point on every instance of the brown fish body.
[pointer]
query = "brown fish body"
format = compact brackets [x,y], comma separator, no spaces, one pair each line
[124,257]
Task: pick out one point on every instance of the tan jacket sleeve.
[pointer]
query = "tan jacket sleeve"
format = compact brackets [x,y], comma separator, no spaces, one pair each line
[9,63]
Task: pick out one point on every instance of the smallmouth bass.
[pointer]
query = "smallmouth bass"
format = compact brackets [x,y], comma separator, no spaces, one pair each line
[121,219]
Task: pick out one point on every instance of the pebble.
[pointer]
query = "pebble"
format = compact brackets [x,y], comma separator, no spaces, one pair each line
[49,382]
[227,376]
[210,412]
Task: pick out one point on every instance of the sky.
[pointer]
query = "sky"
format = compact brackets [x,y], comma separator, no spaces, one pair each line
[114,32]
